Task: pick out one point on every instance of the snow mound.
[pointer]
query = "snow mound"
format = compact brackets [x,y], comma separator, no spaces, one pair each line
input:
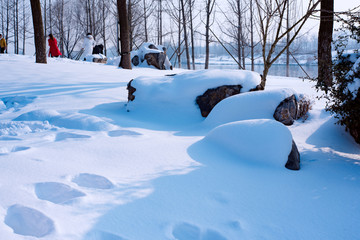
[92,181]
[28,221]
[71,121]
[259,142]
[56,192]
[246,106]
[21,128]
[180,90]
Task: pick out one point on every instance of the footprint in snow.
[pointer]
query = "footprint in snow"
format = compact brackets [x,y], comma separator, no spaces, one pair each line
[6,150]
[28,221]
[5,138]
[100,235]
[19,148]
[92,181]
[187,231]
[119,133]
[55,192]
[64,135]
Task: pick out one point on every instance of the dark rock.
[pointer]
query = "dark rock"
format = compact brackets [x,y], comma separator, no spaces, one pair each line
[293,162]
[211,97]
[100,60]
[131,90]
[135,60]
[290,110]
[286,112]
[152,46]
[156,59]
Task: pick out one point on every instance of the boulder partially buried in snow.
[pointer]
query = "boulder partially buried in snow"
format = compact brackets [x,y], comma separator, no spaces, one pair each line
[291,109]
[181,90]
[245,106]
[259,143]
[211,97]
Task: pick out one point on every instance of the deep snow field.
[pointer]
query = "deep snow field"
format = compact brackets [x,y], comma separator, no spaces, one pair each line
[79,163]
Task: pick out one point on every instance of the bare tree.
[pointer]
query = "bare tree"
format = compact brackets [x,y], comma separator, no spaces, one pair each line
[185,34]
[148,9]
[191,8]
[252,35]
[40,46]
[125,61]
[160,22]
[271,18]
[209,7]
[235,31]
[324,44]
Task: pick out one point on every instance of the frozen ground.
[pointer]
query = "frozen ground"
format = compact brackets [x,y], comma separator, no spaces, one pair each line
[76,165]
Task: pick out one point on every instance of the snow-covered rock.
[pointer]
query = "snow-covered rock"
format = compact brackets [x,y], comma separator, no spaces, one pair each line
[259,142]
[249,105]
[151,55]
[181,90]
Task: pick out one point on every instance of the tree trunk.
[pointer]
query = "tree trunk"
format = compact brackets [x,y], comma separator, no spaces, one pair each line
[185,34]
[125,61]
[24,27]
[179,37]
[288,39]
[45,20]
[207,37]
[131,39]
[145,21]
[209,7]
[192,35]
[104,26]
[40,46]
[324,44]
[50,16]
[238,35]
[252,35]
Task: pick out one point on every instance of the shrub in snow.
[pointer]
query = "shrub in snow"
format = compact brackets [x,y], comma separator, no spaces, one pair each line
[181,90]
[256,142]
[344,95]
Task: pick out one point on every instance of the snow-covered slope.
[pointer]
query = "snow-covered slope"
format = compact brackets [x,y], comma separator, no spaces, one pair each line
[76,165]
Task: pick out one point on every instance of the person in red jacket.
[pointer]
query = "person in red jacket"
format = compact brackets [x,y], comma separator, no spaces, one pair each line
[54,50]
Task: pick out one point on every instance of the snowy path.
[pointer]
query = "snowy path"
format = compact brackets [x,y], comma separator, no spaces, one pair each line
[74,165]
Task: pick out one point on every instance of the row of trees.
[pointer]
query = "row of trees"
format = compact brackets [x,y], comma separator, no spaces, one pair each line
[178,24]
[236,24]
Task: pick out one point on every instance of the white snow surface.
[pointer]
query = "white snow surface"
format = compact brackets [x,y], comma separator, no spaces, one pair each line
[79,163]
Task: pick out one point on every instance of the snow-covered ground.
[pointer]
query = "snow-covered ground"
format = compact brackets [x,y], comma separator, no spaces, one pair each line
[75,164]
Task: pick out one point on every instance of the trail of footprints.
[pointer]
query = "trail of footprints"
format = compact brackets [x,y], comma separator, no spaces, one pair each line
[31,222]
[28,221]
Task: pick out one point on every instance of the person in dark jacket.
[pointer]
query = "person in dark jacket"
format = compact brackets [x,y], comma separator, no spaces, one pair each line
[54,50]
